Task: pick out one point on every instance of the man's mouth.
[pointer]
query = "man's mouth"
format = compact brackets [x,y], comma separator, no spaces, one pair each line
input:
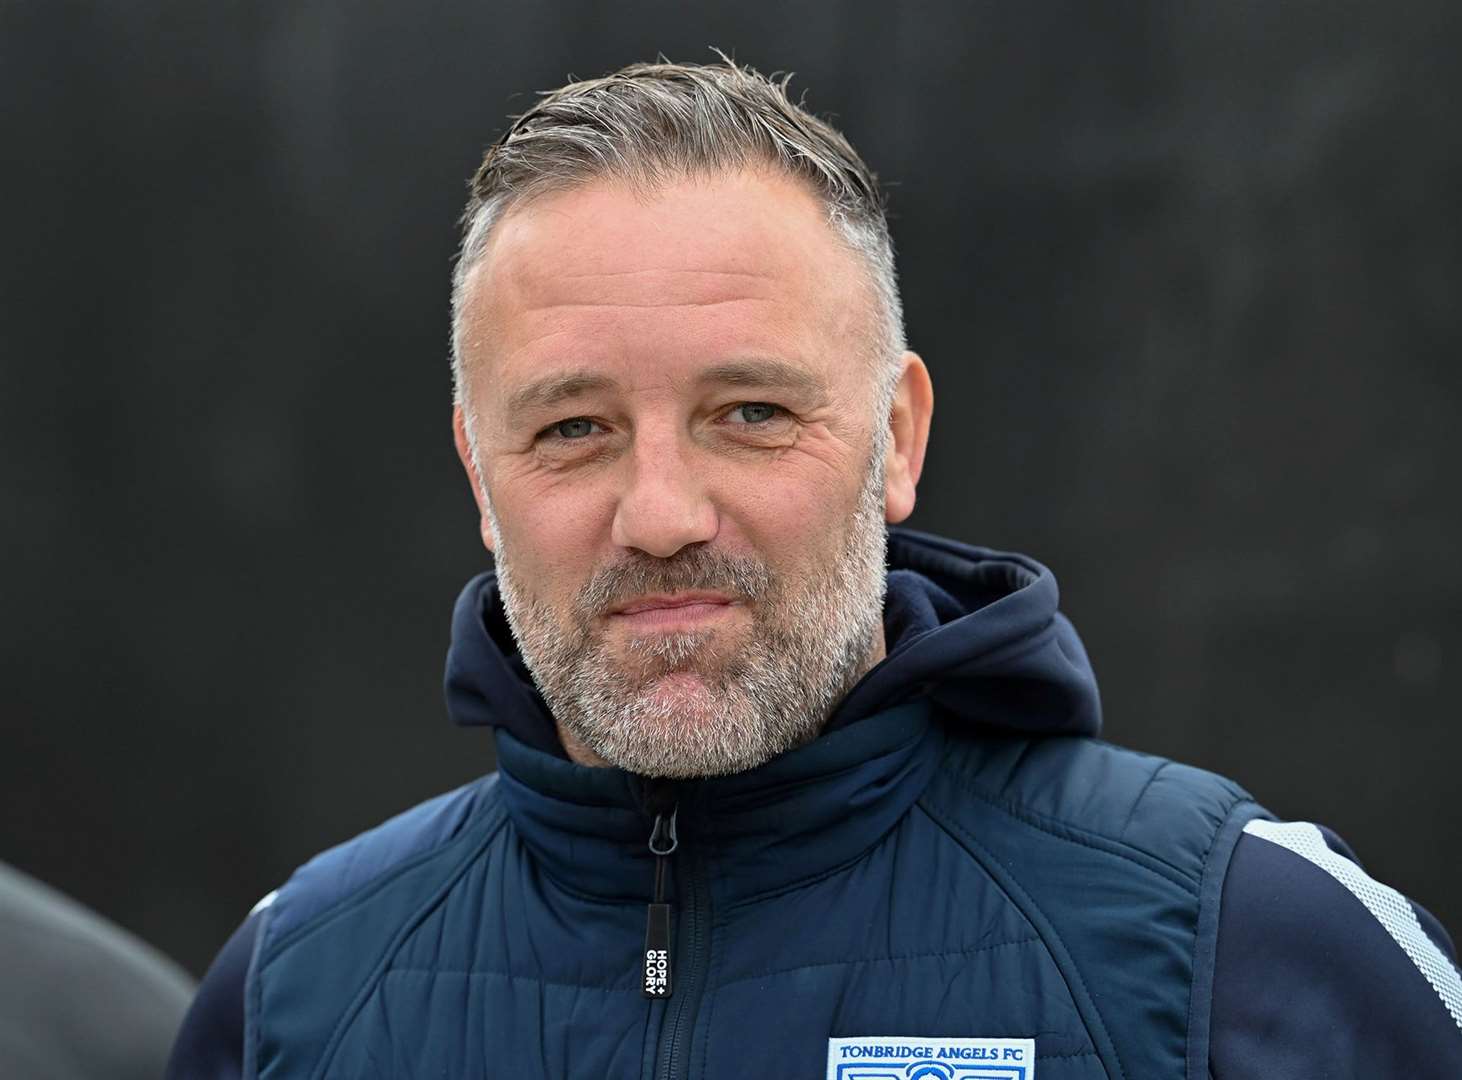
[672,611]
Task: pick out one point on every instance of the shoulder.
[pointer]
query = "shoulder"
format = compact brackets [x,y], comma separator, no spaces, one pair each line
[352,866]
[211,1040]
[1085,787]
[1323,970]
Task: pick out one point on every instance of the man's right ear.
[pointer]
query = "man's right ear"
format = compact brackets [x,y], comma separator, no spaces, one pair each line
[474,478]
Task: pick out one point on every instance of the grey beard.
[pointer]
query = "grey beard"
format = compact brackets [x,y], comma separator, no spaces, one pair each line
[807,647]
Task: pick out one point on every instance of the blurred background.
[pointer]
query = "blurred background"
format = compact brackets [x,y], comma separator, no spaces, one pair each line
[1186,276]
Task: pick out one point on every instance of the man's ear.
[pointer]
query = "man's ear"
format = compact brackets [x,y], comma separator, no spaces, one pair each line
[908,421]
[464,455]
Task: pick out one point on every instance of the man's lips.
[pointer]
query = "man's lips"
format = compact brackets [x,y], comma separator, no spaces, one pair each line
[673,609]
[669,600]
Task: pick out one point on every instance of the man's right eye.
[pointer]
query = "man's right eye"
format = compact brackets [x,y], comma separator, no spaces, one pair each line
[577,428]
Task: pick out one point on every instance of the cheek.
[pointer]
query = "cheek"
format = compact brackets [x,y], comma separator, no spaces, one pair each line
[793,515]
[551,536]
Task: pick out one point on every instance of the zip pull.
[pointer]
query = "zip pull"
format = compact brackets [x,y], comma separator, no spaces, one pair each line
[663,843]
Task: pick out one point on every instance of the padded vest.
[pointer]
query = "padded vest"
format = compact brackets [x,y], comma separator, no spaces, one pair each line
[909,875]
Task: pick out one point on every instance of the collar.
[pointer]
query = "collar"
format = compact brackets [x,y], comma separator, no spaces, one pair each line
[793,819]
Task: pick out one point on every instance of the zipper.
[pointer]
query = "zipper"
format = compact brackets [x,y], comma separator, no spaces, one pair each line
[669,970]
[678,1026]
[657,973]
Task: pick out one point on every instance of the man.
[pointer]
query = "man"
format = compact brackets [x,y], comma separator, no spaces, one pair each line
[781,794]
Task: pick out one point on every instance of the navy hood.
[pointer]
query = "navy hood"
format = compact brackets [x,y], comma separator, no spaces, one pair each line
[976,631]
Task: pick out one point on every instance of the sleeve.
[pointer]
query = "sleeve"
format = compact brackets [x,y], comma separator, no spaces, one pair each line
[210,1045]
[1322,971]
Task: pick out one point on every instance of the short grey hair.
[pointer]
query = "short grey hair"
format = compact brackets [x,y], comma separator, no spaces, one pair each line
[649,124]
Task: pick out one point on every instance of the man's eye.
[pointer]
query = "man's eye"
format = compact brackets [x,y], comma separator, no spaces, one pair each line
[756,412]
[577,428]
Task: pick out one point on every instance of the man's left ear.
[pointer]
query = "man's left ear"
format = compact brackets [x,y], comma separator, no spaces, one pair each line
[908,421]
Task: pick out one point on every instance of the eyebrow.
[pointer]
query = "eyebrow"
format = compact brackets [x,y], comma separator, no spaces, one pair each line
[553,389]
[762,372]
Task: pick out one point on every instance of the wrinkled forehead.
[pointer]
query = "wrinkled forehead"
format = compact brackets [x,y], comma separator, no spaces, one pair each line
[761,245]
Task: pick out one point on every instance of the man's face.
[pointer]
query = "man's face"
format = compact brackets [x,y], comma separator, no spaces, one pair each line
[674,398]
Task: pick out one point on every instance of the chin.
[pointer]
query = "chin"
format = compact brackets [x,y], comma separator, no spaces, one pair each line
[679,699]
[679,728]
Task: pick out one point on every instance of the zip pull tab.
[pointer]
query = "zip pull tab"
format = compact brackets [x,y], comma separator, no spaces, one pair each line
[663,843]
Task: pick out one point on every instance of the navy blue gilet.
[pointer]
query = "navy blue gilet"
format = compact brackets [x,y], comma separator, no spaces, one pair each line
[956,856]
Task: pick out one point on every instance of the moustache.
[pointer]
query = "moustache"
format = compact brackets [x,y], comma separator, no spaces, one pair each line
[743,577]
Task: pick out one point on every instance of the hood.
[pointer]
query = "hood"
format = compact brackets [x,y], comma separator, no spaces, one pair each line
[976,631]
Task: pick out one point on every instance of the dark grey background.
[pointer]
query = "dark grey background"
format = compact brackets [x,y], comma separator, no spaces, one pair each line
[1186,277]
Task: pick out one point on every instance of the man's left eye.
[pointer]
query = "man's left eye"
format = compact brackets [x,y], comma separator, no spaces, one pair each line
[755,412]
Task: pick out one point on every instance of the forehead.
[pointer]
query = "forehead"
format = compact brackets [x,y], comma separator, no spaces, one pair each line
[736,262]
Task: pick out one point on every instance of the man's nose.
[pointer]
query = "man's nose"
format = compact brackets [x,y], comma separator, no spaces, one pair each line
[664,505]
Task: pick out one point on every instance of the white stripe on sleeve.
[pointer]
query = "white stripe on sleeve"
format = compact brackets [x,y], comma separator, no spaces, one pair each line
[1391,909]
